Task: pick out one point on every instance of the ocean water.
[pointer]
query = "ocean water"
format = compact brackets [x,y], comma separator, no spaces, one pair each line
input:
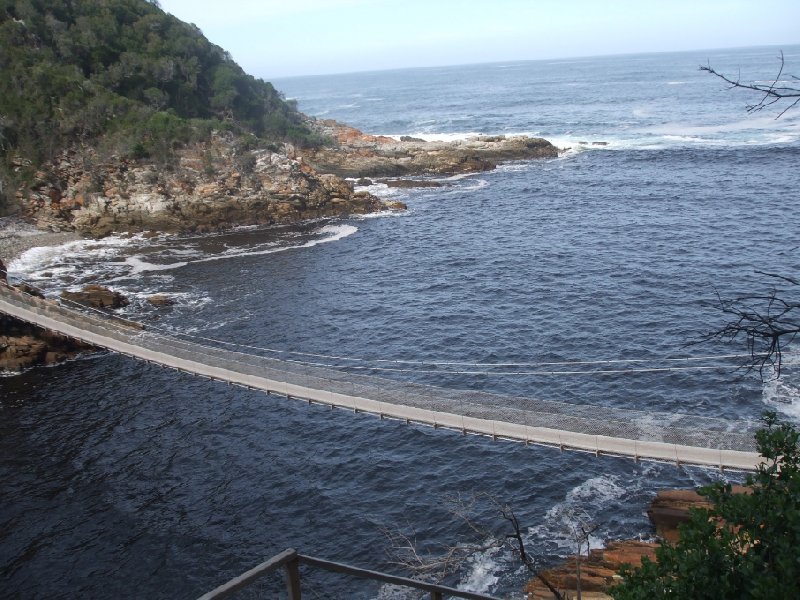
[126,480]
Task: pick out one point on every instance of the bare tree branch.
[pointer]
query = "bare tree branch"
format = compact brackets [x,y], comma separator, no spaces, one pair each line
[438,562]
[771,93]
[768,322]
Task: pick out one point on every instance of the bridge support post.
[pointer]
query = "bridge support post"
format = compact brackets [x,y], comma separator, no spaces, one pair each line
[292,575]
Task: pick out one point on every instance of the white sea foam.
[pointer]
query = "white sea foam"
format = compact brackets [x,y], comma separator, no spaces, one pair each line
[783,393]
[481,571]
[329,233]
[137,265]
[383,214]
[116,259]
[474,185]
[39,258]
[438,137]
[562,519]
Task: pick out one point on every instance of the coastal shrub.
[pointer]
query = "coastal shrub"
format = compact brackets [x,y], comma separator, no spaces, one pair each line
[745,546]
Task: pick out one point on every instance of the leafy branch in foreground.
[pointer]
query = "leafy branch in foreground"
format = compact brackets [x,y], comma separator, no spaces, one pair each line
[745,546]
[771,93]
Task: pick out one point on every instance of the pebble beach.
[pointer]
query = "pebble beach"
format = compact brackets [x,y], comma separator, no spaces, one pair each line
[18,235]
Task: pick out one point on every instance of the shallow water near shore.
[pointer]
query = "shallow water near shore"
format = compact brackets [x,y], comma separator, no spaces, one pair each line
[126,480]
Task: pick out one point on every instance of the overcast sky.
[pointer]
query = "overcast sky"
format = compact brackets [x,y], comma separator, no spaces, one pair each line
[280,38]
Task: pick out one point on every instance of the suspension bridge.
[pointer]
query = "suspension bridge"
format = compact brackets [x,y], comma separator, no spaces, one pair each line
[667,437]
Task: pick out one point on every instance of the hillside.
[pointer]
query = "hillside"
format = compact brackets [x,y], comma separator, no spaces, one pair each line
[116,117]
[127,80]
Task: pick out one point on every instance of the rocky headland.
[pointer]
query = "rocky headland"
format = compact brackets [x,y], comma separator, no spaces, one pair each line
[356,154]
[219,184]
[600,569]
[208,187]
[222,183]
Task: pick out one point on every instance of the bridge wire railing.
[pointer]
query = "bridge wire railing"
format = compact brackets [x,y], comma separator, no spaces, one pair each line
[680,429]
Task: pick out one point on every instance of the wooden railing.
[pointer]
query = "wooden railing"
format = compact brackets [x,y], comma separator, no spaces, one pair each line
[290,561]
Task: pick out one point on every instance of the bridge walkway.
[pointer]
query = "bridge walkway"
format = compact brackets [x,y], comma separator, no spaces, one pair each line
[682,439]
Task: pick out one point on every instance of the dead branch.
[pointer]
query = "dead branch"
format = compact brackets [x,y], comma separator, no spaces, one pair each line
[768,322]
[771,93]
[440,561]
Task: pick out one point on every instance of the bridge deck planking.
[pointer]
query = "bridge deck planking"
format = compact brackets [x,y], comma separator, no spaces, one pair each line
[240,371]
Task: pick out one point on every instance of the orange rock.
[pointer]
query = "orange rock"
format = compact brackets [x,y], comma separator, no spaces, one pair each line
[670,508]
[598,571]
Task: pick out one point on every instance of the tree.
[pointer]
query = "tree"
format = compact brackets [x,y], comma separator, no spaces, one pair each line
[771,93]
[745,546]
[768,321]
[504,531]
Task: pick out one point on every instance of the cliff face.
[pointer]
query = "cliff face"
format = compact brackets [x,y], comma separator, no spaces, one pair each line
[207,187]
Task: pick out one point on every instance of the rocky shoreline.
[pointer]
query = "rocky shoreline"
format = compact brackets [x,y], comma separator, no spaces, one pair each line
[356,154]
[18,235]
[220,184]
[600,569]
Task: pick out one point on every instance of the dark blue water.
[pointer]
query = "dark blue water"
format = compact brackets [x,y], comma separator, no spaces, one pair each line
[125,480]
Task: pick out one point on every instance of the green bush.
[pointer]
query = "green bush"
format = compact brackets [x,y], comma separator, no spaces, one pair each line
[746,546]
[126,77]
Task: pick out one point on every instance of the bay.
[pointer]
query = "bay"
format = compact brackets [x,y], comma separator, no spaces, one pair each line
[122,479]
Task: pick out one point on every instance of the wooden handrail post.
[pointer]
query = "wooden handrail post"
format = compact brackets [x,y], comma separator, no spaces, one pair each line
[436,595]
[292,572]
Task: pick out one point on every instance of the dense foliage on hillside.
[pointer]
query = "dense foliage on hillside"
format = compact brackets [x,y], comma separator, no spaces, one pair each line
[125,77]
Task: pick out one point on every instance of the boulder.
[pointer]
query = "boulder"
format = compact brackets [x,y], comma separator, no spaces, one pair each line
[396,205]
[23,346]
[29,290]
[670,508]
[96,296]
[160,300]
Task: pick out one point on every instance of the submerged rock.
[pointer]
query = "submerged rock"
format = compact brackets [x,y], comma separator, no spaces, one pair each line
[410,183]
[160,300]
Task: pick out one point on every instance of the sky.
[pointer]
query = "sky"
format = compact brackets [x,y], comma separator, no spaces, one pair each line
[284,38]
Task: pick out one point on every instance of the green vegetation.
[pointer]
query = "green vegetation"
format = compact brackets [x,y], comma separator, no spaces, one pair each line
[123,77]
[746,546]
